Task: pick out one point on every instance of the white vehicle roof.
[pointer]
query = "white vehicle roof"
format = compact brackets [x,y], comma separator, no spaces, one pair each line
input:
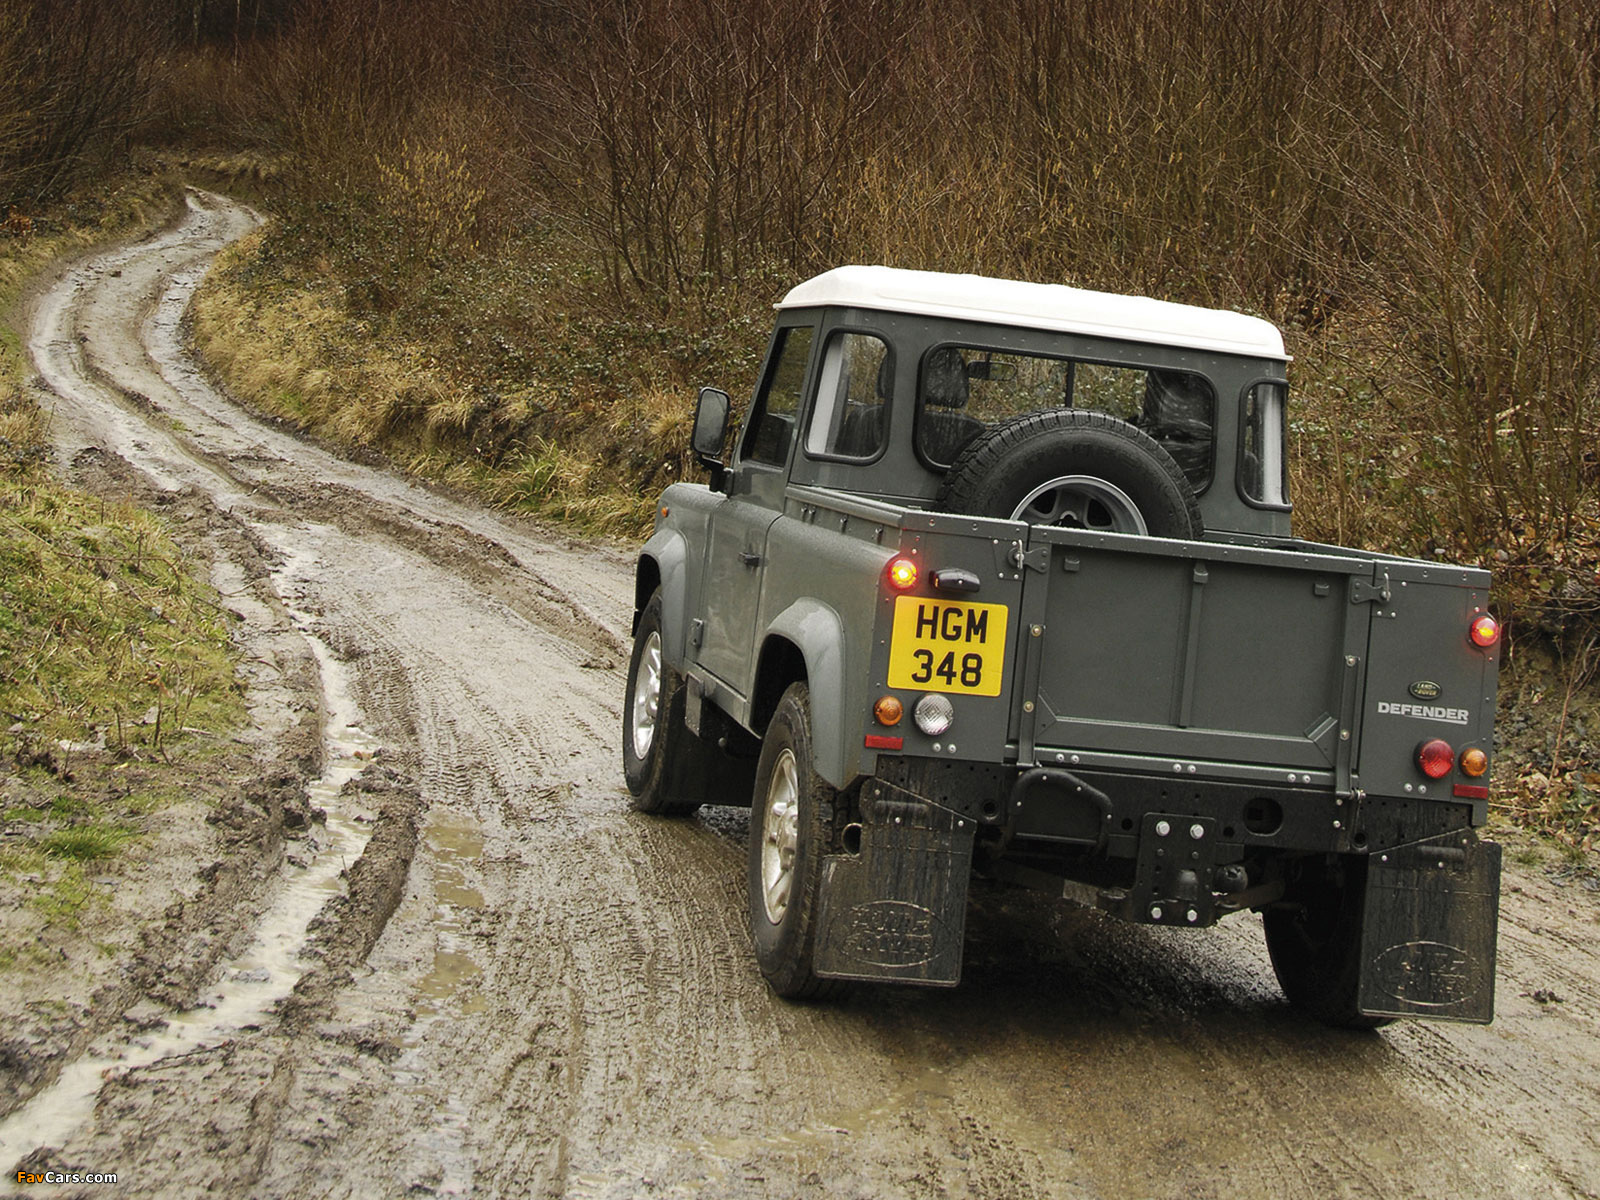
[1051,306]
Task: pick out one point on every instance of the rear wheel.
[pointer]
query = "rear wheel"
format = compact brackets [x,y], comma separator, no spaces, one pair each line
[791,830]
[1314,939]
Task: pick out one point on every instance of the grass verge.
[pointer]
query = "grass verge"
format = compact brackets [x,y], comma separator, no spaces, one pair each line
[114,653]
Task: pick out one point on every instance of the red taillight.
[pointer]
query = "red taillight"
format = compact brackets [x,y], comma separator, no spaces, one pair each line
[902,573]
[1436,758]
[1484,631]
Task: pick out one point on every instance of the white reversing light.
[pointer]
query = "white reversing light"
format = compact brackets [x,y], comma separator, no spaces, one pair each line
[933,714]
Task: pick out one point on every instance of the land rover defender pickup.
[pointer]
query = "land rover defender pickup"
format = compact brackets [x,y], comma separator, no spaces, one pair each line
[998,579]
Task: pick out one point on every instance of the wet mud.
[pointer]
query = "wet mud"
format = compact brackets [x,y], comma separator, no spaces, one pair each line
[521,988]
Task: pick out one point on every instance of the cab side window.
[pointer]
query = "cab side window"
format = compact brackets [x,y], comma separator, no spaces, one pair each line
[777,408]
[1263,463]
[855,383]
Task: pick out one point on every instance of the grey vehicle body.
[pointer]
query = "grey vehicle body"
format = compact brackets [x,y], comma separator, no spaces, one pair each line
[1171,728]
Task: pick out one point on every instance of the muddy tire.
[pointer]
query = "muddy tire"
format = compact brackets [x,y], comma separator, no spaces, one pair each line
[791,830]
[1073,468]
[1314,940]
[657,748]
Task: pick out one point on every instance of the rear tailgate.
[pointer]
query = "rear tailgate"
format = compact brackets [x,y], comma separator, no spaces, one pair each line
[1191,651]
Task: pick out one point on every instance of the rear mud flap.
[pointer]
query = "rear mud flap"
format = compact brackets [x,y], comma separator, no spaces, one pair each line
[897,911]
[1428,937]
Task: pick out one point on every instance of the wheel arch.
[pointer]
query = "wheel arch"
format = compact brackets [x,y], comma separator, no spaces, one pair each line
[663,563]
[806,642]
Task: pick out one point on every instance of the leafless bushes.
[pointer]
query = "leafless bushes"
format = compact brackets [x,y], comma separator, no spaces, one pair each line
[73,75]
[700,139]
[1409,188]
[1481,204]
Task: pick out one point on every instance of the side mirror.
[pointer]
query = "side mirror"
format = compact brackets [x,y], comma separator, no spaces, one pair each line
[710,431]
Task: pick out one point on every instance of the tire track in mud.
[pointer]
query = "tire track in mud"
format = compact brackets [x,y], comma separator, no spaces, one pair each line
[562,1003]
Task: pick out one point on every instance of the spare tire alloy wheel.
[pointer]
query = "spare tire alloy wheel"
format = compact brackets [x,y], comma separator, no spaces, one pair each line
[1082,502]
[656,744]
[791,832]
[1077,469]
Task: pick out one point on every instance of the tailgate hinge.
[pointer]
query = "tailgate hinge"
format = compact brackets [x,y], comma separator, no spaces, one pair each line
[1362,592]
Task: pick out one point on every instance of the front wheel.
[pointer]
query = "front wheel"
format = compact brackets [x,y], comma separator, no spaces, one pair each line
[791,830]
[1314,941]
[654,737]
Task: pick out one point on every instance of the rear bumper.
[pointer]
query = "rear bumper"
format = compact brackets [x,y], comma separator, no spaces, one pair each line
[1103,811]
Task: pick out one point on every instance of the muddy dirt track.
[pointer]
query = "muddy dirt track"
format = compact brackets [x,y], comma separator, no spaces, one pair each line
[516,987]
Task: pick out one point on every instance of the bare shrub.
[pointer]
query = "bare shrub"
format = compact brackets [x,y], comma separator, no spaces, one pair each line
[707,136]
[1469,194]
[73,75]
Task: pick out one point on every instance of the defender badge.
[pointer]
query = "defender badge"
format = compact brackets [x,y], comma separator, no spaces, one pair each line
[1425,689]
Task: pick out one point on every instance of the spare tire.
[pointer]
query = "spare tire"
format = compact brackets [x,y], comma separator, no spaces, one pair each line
[1073,468]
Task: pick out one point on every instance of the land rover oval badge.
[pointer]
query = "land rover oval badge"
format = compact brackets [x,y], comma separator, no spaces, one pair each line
[1425,689]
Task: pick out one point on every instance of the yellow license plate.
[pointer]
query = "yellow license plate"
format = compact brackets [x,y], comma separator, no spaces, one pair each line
[942,646]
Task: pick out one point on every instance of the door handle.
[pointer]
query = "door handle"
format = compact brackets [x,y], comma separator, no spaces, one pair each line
[750,558]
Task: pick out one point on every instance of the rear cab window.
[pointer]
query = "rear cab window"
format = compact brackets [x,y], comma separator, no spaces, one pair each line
[965,390]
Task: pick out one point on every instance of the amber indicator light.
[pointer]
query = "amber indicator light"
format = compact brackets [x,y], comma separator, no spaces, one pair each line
[888,710]
[1474,762]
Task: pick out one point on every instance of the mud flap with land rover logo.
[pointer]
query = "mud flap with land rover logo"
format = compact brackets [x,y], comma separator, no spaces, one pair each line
[1428,937]
[896,911]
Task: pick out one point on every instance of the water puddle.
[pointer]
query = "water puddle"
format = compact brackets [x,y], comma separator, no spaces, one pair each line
[455,845]
[441,1141]
[267,972]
